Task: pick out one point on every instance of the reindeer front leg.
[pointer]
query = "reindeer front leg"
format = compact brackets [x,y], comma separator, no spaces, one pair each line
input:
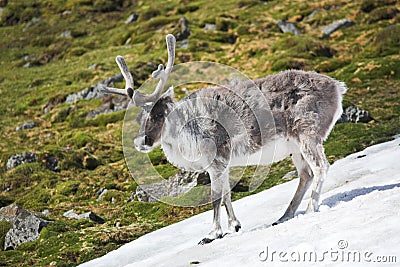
[233,223]
[217,186]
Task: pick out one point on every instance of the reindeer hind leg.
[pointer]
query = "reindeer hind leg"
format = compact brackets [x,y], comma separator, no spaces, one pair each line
[313,152]
[305,174]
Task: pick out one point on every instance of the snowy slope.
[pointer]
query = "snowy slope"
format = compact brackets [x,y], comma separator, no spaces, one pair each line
[359,220]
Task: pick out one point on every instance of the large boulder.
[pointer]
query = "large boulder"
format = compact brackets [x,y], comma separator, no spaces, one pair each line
[26,225]
[178,184]
[18,159]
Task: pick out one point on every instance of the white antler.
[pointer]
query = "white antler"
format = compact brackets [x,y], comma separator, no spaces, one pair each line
[128,79]
[161,73]
[125,72]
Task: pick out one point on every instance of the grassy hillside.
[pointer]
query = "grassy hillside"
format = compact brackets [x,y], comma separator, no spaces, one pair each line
[61,39]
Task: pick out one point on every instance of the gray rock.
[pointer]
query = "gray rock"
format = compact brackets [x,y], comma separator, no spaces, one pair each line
[66,12]
[210,27]
[94,91]
[18,159]
[66,34]
[183,31]
[26,226]
[287,26]
[92,67]
[25,126]
[183,44]
[84,216]
[100,193]
[132,17]
[174,186]
[336,25]
[355,114]
[51,163]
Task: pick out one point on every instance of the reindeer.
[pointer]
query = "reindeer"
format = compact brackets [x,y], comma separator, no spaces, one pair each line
[301,107]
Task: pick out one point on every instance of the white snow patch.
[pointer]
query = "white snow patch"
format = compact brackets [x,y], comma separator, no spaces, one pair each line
[360,211]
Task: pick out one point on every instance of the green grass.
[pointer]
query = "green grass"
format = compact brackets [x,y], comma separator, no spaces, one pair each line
[365,56]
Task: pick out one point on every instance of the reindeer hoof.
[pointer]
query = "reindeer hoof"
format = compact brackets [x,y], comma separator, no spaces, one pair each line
[281,220]
[206,240]
[237,228]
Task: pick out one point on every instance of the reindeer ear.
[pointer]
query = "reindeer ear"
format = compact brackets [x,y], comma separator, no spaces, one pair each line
[169,93]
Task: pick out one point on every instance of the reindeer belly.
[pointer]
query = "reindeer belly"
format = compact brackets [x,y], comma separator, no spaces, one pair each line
[271,152]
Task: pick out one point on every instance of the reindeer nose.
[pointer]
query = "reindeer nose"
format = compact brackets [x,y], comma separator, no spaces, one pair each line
[138,142]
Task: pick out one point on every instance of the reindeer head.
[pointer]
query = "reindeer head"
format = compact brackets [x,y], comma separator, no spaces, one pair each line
[154,106]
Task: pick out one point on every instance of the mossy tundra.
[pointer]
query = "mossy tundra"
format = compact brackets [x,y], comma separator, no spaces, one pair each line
[61,39]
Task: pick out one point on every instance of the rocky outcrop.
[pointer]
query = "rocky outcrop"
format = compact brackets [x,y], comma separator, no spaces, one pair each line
[175,185]
[26,226]
[93,91]
[84,216]
[18,159]
[287,26]
[355,114]
[336,25]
